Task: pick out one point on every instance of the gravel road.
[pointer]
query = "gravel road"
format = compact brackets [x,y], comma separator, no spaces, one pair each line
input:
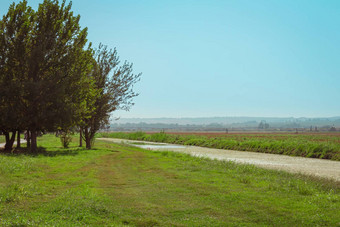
[15,143]
[309,166]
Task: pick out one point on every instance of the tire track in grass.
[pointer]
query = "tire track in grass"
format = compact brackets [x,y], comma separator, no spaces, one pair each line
[172,189]
[141,188]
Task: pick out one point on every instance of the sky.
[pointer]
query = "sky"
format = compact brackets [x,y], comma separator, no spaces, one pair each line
[278,58]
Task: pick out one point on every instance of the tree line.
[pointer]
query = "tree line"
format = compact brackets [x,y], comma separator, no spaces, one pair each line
[52,79]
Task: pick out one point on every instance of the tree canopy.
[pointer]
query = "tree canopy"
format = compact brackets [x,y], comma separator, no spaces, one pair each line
[115,86]
[52,79]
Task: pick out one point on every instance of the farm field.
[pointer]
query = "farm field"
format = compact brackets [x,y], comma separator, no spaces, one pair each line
[119,185]
[312,145]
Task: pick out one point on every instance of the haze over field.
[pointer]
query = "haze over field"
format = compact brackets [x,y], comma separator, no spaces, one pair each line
[223,58]
[231,123]
[231,120]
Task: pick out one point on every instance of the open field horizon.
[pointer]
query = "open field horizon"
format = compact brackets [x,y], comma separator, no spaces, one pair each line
[83,82]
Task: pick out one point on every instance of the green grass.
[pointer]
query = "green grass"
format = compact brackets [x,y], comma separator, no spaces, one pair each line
[321,146]
[2,139]
[118,185]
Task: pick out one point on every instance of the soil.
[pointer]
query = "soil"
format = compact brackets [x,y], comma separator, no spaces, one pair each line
[15,143]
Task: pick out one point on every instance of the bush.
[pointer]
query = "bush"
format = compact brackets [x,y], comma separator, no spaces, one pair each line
[65,138]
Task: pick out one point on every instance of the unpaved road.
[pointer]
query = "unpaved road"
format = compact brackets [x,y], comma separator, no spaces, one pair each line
[15,143]
[310,166]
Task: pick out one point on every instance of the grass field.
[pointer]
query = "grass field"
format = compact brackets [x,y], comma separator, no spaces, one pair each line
[118,185]
[324,146]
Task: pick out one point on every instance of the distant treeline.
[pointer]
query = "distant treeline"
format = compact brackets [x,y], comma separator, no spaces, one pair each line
[246,126]
[234,121]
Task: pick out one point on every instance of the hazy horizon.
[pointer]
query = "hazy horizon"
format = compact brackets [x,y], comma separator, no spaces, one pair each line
[243,122]
[233,117]
[222,58]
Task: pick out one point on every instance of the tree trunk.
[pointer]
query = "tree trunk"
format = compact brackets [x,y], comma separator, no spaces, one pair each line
[80,137]
[33,141]
[28,139]
[87,139]
[88,143]
[18,140]
[9,141]
[6,136]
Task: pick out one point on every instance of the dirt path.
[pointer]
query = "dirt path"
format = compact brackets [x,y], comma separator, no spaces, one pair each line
[310,166]
[15,143]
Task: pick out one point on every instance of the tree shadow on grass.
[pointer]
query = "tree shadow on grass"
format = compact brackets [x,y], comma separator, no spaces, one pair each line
[72,151]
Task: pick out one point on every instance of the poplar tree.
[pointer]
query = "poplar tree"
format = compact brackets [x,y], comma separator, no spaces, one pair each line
[114,84]
[53,83]
[15,33]
[43,67]
[50,81]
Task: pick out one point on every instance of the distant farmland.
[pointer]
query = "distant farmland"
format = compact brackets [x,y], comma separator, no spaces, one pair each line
[312,145]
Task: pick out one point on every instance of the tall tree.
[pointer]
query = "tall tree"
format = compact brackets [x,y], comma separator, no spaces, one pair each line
[15,30]
[114,85]
[88,93]
[48,81]
[53,83]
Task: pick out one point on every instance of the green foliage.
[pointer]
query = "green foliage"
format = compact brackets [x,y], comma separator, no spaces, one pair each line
[57,67]
[50,80]
[65,138]
[312,146]
[161,137]
[43,67]
[15,27]
[114,86]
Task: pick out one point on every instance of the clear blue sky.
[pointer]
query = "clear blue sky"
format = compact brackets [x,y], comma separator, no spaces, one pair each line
[223,58]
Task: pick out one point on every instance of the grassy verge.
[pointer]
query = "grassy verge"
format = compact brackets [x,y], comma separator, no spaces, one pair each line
[320,146]
[117,185]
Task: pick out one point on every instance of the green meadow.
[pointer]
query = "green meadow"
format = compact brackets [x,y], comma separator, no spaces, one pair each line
[120,185]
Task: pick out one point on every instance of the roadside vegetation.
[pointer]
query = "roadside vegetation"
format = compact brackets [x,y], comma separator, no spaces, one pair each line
[321,146]
[118,185]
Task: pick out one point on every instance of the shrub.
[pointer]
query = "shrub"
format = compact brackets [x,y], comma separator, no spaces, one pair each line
[65,138]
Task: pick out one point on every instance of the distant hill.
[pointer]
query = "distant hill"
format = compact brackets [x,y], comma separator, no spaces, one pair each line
[221,123]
